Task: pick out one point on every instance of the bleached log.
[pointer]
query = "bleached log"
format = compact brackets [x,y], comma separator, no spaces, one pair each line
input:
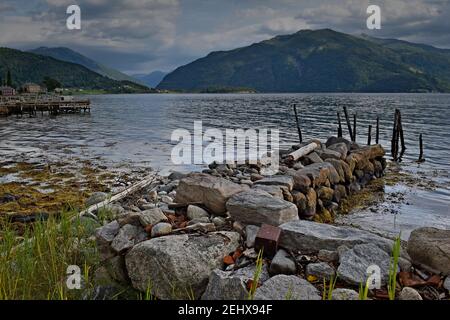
[303,151]
[119,196]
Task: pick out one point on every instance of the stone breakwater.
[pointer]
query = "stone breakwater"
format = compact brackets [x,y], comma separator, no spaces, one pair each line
[194,235]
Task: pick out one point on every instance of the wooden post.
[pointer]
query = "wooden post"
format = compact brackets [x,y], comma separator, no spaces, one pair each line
[377,135]
[350,132]
[339,126]
[394,140]
[421,158]
[400,127]
[354,128]
[298,124]
[369,136]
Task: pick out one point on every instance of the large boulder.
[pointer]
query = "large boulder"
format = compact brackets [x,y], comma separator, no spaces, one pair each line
[178,266]
[310,237]
[319,173]
[283,287]
[430,248]
[258,207]
[353,263]
[213,192]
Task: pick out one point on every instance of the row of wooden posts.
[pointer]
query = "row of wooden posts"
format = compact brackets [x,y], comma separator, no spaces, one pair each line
[397,134]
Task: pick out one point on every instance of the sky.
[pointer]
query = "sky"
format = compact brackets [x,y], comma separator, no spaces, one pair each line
[140,36]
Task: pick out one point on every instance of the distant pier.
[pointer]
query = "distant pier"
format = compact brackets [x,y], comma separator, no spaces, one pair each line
[33,105]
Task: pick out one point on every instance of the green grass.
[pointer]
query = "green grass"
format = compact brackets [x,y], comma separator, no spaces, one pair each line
[256,275]
[393,267]
[364,290]
[327,293]
[34,266]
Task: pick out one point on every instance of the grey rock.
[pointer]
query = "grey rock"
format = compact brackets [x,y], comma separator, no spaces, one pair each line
[152,216]
[328,256]
[107,233]
[231,285]
[252,207]
[319,173]
[194,212]
[274,191]
[127,237]
[117,270]
[211,191]
[247,182]
[161,229]
[202,227]
[330,154]
[283,287]
[430,248]
[199,220]
[408,293]
[131,217]
[344,294]
[176,265]
[446,284]
[310,237]
[340,147]
[176,175]
[313,157]
[219,221]
[167,199]
[282,263]
[95,198]
[251,231]
[320,270]
[353,263]
[404,264]
[286,181]
[114,210]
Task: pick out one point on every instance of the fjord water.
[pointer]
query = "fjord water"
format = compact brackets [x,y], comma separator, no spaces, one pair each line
[135,131]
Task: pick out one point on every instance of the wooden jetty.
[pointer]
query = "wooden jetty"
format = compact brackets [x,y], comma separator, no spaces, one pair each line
[32,105]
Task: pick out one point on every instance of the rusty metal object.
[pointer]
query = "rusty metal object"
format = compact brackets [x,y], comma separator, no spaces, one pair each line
[267,239]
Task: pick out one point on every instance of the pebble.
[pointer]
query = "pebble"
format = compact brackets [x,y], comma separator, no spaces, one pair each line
[153,195]
[446,284]
[161,229]
[409,294]
[194,212]
[282,264]
[247,182]
[219,221]
[328,256]
[251,231]
[167,199]
[320,270]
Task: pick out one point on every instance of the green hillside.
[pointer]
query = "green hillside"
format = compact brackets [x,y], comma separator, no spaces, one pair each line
[316,61]
[30,67]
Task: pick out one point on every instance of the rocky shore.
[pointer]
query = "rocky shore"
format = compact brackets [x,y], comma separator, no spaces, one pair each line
[198,235]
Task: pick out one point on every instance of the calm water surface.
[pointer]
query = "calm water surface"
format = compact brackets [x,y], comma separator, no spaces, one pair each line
[135,130]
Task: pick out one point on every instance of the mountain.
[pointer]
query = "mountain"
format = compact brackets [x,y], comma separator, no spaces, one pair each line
[30,67]
[318,61]
[66,54]
[152,79]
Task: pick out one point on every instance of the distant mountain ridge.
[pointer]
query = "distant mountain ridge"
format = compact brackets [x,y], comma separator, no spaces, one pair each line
[152,79]
[318,61]
[29,67]
[69,55]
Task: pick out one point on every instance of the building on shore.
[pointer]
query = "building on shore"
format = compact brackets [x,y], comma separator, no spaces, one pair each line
[31,88]
[7,91]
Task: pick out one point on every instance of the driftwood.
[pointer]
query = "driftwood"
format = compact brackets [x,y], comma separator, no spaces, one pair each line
[303,151]
[119,196]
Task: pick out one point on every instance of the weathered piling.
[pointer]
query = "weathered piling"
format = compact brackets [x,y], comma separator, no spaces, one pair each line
[377,135]
[299,130]
[339,126]
[421,158]
[354,128]
[369,136]
[350,131]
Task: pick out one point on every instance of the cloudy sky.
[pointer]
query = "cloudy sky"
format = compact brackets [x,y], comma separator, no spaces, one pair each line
[139,36]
